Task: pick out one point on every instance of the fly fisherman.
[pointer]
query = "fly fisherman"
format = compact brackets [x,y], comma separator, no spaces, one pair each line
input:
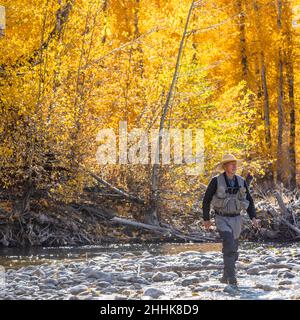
[228,193]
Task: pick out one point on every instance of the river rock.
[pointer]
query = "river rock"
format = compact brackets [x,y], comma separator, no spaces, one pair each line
[270,259]
[103,284]
[91,273]
[286,274]
[153,292]
[231,290]
[133,278]
[285,282]
[256,270]
[160,276]
[151,260]
[189,280]
[78,289]
[264,286]
[51,282]
[39,273]
[201,289]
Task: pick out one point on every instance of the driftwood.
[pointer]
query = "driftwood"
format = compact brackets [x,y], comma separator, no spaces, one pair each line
[277,217]
[166,230]
[286,213]
[169,232]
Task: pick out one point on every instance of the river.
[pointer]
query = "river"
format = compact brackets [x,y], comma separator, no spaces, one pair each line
[149,271]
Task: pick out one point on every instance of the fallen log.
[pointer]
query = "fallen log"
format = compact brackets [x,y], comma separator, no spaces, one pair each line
[281,204]
[166,230]
[286,212]
[162,230]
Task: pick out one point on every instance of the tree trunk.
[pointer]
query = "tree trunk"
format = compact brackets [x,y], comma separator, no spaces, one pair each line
[289,65]
[263,81]
[266,104]
[242,37]
[152,215]
[280,101]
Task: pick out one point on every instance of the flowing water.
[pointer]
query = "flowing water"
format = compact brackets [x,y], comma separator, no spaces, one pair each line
[166,270]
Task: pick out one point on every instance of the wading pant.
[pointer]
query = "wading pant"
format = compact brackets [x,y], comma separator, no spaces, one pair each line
[229,229]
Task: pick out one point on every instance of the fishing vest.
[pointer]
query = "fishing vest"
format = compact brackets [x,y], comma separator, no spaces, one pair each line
[229,203]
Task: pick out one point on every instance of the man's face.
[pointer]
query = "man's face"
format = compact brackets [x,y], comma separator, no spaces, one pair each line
[230,167]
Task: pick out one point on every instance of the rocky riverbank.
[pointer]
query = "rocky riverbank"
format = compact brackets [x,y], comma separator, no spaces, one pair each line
[264,272]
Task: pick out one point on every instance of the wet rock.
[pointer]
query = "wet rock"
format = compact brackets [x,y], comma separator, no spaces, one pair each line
[264,286]
[231,290]
[294,266]
[191,265]
[270,260]
[103,284]
[201,289]
[146,253]
[147,275]
[151,260]
[286,274]
[148,265]
[285,282]
[51,282]
[153,292]
[20,291]
[39,273]
[91,273]
[116,255]
[206,262]
[241,265]
[189,280]
[214,287]
[78,289]
[256,270]
[159,276]
[133,278]
[280,259]
[282,288]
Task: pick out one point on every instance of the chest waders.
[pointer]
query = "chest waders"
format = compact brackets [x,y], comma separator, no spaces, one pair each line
[228,203]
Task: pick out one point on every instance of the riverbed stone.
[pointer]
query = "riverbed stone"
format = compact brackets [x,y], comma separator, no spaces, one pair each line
[270,259]
[153,292]
[264,286]
[255,270]
[189,280]
[286,274]
[230,289]
[285,282]
[78,289]
[92,273]
[39,273]
[160,276]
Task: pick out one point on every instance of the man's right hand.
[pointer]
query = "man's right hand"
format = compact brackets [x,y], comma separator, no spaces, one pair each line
[207,224]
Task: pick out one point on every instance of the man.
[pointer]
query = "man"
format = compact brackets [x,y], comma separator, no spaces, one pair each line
[228,193]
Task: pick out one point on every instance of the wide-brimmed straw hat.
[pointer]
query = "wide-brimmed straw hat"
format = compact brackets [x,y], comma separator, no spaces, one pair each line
[227,158]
